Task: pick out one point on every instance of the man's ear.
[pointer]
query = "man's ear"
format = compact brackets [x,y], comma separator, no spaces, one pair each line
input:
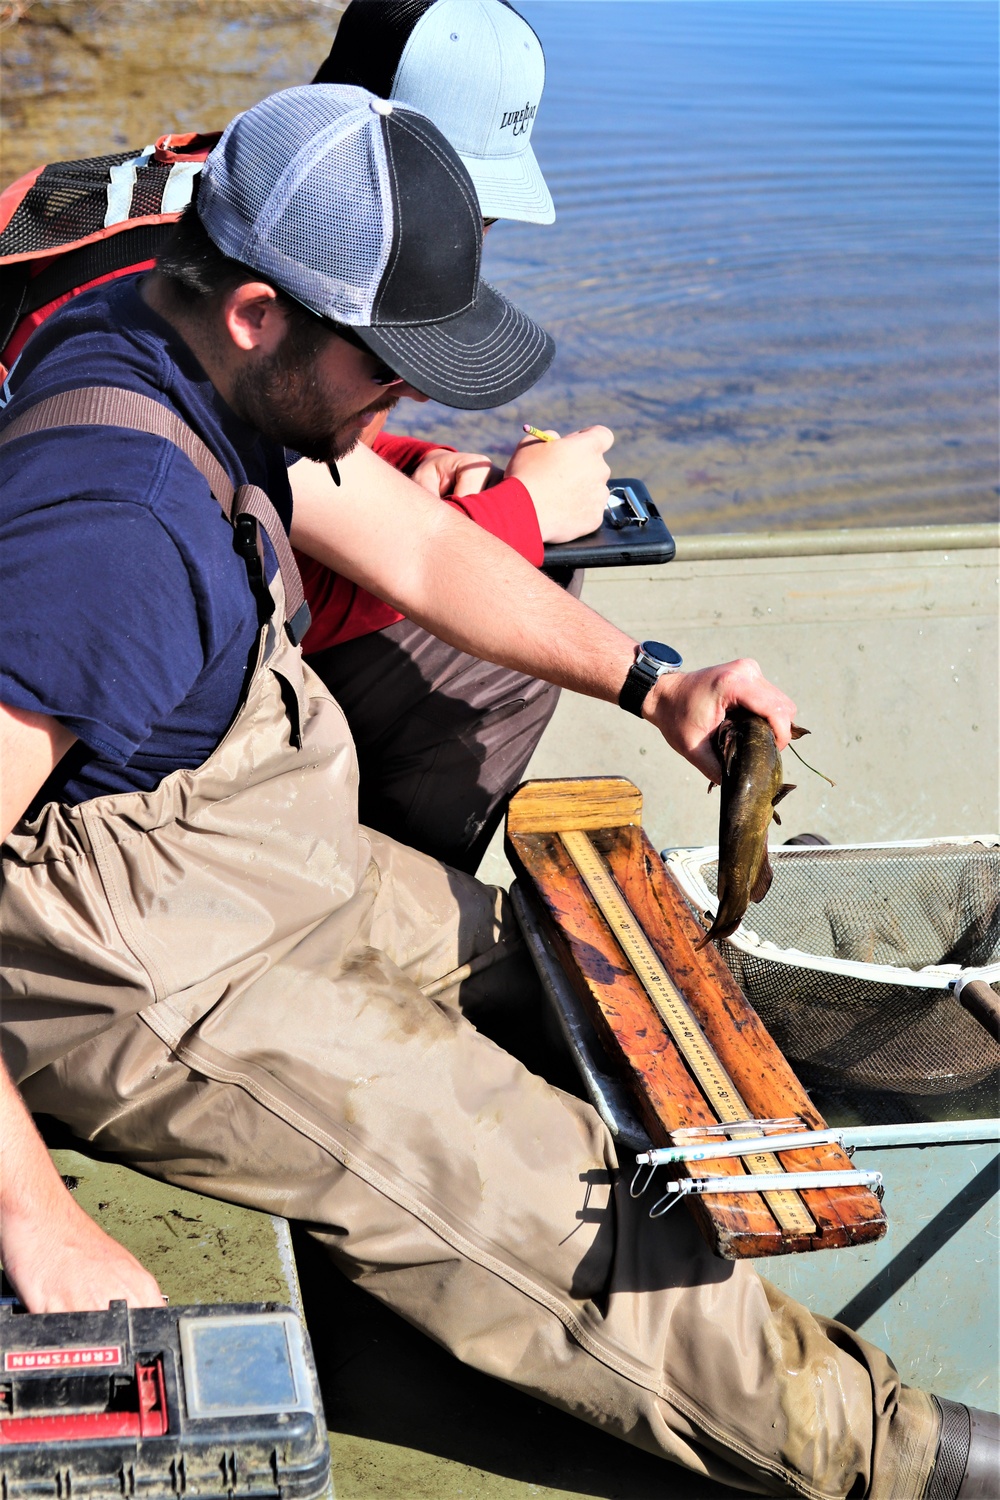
[254,317]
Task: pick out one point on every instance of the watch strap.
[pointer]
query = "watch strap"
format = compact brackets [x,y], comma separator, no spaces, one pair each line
[635,688]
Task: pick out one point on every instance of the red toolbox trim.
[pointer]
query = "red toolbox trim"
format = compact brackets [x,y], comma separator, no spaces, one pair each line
[69,1427]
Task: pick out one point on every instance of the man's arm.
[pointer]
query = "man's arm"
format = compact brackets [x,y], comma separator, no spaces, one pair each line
[559,483]
[54,1255]
[31,746]
[385,533]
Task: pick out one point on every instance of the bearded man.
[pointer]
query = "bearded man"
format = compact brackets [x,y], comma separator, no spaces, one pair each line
[209,967]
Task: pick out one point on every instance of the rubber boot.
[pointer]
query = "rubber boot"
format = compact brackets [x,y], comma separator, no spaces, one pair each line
[967,1464]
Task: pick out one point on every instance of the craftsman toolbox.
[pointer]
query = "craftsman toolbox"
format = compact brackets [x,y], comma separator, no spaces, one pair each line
[157,1402]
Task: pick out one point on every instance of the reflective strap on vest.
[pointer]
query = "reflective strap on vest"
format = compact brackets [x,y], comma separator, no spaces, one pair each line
[111,406]
[180,186]
[121,186]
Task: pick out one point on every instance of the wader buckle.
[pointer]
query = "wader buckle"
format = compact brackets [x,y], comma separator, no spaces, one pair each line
[246,544]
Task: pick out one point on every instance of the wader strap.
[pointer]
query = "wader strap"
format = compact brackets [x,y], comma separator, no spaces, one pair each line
[111,406]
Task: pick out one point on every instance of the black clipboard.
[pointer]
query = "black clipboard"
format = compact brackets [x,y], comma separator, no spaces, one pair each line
[633,531]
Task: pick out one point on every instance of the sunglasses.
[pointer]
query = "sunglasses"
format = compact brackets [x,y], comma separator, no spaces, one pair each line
[383,374]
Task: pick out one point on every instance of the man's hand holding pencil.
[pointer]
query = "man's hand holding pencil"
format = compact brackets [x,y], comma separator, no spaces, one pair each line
[566,477]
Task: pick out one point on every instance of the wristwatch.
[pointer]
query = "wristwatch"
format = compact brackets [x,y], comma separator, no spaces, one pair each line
[652,660]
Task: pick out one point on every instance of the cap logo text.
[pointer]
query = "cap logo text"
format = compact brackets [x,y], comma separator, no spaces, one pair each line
[519,119]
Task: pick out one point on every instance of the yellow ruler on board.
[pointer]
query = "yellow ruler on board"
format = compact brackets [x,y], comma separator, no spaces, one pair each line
[697,1051]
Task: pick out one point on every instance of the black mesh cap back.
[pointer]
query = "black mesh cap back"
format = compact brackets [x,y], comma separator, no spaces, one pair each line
[370,41]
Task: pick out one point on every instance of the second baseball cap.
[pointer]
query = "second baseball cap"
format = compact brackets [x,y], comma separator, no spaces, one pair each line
[360,209]
[475,68]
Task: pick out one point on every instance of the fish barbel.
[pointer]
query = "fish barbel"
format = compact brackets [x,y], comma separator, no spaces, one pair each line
[751,789]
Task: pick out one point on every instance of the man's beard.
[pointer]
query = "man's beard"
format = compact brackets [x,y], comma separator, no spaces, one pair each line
[282,398]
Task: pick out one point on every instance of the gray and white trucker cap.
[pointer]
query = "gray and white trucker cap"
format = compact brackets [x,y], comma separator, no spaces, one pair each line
[475,68]
[360,209]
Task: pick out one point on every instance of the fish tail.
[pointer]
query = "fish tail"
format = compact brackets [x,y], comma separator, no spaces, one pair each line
[722,927]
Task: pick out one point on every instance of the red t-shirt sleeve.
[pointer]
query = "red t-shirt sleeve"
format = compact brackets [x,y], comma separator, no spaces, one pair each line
[404,453]
[507,511]
[342,611]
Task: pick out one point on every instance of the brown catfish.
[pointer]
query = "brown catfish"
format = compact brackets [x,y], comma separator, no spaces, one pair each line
[751,789]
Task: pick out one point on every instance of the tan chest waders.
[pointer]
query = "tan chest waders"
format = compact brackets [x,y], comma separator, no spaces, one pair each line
[219,980]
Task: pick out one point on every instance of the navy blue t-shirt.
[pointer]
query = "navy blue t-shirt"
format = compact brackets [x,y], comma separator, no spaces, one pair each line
[126,613]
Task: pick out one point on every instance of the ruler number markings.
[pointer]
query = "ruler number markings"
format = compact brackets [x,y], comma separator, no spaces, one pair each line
[678,1018]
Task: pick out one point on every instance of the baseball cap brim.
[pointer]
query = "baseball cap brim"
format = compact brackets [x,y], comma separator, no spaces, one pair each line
[511,187]
[489,354]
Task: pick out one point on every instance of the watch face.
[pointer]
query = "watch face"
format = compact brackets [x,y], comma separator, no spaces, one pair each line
[661,655]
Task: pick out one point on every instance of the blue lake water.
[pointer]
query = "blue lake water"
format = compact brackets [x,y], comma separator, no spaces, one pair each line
[773,270]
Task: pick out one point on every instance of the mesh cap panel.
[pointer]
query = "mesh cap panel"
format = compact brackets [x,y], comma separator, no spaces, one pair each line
[370,41]
[299,191]
[474,67]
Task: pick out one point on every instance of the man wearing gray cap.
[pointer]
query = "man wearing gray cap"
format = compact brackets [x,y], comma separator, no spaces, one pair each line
[443,738]
[209,967]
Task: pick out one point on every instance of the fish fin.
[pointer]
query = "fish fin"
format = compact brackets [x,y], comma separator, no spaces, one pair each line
[783,790]
[762,884]
[711,787]
[774,815]
[725,741]
[798,731]
[719,929]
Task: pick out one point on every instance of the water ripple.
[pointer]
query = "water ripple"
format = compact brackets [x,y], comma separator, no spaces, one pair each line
[773,268]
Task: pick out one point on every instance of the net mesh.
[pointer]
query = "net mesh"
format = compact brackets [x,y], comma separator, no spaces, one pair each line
[150,184]
[871,1043]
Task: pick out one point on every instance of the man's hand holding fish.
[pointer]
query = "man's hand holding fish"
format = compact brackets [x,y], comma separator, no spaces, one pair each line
[688,707]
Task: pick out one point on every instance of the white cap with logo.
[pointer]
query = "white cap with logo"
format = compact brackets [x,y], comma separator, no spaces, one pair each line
[475,68]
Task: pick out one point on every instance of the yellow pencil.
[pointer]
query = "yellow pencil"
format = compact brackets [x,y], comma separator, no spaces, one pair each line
[535,432]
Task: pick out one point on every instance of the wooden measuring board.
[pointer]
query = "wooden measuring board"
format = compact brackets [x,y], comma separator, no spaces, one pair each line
[688,1044]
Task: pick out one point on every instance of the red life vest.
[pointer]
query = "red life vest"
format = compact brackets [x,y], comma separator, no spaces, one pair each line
[72,224]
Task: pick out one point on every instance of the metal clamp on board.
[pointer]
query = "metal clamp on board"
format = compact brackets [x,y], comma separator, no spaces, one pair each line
[685,1187]
[632,531]
[663,1156]
[626,508]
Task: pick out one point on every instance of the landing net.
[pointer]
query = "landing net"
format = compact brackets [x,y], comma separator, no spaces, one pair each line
[851,959]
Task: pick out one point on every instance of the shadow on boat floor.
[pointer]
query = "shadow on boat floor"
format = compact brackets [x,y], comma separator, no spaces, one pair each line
[408,1421]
